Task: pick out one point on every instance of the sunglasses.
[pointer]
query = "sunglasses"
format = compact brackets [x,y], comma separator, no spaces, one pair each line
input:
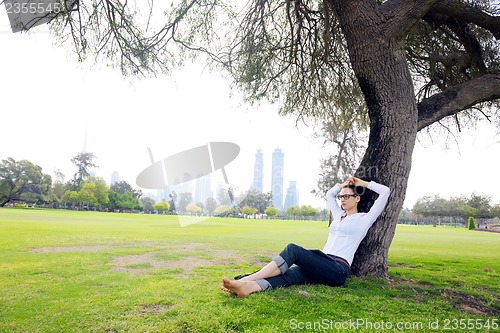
[346,196]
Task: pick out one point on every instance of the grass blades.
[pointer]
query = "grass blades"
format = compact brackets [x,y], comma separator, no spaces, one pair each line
[66,271]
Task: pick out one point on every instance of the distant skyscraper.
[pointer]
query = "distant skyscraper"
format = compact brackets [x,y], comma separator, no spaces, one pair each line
[292,195]
[186,186]
[277,178]
[203,186]
[218,190]
[258,172]
[115,178]
[163,194]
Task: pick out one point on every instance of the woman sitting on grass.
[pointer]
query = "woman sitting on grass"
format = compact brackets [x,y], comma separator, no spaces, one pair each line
[297,265]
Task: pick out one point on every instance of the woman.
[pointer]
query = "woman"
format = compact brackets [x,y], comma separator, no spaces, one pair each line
[331,266]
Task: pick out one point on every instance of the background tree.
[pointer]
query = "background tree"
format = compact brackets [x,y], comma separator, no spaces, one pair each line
[162,206]
[122,201]
[171,203]
[495,211]
[247,210]
[348,144]
[147,203]
[124,187]
[210,205]
[271,211]
[256,200]
[223,197]
[406,216]
[86,195]
[201,205]
[99,188]
[293,211]
[183,201]
[125,197]
[71,197]
[22,181]
[59,187]
[83,163]
[458,207]
[323,214]
[193,208]
[416,62]
[482,204]
[227,211]
[430,206]
[461,207]
[308,211]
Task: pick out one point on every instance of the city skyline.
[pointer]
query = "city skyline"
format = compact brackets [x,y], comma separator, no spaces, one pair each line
[204,189]
[432,153]
[190,107]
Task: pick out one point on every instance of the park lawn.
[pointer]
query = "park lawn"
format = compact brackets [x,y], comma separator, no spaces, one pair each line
[67,271]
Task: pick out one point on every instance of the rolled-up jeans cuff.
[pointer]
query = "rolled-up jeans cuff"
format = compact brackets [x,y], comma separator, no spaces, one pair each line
[264,284]
[282,265]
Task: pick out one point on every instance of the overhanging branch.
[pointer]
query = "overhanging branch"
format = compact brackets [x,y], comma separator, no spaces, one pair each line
[470,14]
[458,98]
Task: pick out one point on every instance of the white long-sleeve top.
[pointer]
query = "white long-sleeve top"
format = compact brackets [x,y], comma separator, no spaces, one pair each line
[346,234]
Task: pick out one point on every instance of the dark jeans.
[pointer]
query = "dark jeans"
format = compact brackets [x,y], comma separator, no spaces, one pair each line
[310,267]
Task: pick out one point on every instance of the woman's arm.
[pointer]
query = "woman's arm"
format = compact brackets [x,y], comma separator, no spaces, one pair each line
[331,200]
[379,204]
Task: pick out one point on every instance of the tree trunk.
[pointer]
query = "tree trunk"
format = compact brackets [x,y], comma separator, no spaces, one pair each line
[380,66]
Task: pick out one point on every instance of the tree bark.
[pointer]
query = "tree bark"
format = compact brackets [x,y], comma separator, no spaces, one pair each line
[380,66]
[457,98]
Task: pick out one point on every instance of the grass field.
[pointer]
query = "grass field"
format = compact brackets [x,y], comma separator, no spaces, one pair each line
[65,271]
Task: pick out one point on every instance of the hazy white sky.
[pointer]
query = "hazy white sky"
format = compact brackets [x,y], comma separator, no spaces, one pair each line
[49,102]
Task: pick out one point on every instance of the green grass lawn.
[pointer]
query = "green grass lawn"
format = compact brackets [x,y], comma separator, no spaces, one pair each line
[65,271]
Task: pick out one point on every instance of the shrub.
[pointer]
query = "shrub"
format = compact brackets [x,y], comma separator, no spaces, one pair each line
[471,223]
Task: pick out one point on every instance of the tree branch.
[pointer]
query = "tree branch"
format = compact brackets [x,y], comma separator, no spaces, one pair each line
[469,14]
[403,14]
[458,98]
[468,39]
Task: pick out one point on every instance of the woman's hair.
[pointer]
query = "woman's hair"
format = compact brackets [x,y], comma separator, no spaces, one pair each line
[358,190]
[362,207]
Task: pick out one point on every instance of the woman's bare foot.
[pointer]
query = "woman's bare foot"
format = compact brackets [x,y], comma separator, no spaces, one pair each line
[225,289]
[242,288]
